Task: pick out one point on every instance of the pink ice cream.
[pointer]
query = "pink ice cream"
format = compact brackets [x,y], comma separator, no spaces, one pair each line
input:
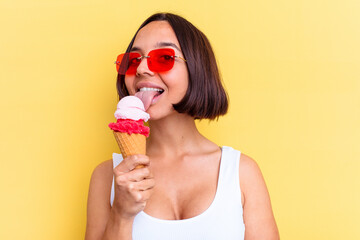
[130,115]
[131,107]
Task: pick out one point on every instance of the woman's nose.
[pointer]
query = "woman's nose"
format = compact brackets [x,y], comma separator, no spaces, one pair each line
[143,67]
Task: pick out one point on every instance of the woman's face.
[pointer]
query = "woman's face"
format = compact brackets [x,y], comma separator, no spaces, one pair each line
[172,84]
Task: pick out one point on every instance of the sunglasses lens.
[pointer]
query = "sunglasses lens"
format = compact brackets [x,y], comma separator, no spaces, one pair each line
[127,63]
[161,60]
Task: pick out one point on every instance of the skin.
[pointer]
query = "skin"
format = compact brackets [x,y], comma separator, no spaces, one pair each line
[176,151]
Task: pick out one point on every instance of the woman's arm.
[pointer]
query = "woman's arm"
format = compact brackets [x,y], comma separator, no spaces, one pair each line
[98,206]
[102,223]
[258,216]
[133,188]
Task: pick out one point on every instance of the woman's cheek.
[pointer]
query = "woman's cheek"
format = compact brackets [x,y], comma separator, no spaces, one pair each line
[129,84]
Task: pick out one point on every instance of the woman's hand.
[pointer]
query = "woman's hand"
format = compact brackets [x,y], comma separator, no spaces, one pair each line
[133,186]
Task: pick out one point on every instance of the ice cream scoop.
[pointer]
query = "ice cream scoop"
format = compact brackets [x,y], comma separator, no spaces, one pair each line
[131,107]
[129,129]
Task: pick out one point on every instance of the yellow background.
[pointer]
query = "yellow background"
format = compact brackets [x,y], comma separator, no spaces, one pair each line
[291,68]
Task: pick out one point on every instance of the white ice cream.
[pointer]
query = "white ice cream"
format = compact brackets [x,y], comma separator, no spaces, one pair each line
[131,107]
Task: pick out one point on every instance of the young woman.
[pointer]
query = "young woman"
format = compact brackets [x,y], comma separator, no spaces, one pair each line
[190,188]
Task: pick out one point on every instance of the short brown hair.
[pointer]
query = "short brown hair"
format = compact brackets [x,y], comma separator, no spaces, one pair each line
[206,97]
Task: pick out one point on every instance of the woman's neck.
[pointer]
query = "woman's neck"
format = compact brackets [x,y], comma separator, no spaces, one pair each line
[174,135]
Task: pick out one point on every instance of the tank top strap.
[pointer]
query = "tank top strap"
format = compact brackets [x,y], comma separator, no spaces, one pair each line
[228,183]
[117,158]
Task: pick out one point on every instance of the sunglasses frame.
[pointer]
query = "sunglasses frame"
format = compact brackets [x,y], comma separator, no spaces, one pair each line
[122,68]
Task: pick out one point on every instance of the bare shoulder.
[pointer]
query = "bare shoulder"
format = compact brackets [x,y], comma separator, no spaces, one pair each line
[98,207]
[246,161]
[257,204]
[251,178]
[103,171]
[101,180]
[100,183]
[249,167]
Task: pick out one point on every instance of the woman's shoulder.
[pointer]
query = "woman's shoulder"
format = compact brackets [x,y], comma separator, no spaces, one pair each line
[104,167]
[98,205]
[252,182]
[249,169]
[257,205]
[103,173]
[245,160]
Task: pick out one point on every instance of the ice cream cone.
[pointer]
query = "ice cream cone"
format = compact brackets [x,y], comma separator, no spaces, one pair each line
[129,130]
[131,144]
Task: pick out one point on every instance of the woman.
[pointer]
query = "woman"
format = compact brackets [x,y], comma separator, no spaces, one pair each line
[190,188]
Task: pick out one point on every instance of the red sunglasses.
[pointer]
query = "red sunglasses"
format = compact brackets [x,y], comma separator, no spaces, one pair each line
[158,60]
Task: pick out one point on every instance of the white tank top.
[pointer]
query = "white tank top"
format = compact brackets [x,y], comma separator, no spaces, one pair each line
[222,220]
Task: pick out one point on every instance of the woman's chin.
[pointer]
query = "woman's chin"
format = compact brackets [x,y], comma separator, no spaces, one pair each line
[160,113]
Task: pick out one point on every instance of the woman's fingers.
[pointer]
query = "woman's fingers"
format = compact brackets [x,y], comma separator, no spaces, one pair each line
[141,191]
[131,162]
[139,174]
[145,185]
[133,186]
[145,195]
[135,175]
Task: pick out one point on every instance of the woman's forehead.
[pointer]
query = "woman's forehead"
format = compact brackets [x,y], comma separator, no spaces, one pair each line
[156,34]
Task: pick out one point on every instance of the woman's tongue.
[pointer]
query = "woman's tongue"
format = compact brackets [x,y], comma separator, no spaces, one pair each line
[146,97]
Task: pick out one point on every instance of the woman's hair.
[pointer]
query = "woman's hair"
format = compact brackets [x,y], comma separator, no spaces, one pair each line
[205,98]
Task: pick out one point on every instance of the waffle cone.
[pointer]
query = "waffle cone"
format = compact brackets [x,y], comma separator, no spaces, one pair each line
[131,144]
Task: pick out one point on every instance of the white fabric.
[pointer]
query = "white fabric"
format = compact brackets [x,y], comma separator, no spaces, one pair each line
[222,220]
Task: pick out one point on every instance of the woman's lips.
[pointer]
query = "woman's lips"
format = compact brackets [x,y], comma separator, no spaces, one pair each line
[141,85]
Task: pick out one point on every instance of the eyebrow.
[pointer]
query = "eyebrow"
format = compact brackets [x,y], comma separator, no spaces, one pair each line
[134,49]
[159,44]
[167,44]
